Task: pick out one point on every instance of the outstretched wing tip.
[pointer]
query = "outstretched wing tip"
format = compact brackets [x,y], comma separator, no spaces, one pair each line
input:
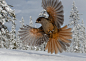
[30,35]
[55,11]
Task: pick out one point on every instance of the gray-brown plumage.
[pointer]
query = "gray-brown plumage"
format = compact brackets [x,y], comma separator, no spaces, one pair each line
[57,38]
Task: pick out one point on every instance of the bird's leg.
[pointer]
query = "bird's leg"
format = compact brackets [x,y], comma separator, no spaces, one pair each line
[50,34]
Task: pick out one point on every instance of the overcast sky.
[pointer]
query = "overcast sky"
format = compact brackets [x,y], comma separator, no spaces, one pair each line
[27,8]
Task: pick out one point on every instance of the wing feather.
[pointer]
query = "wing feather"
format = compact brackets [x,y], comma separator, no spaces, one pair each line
[32,36]
[55,10]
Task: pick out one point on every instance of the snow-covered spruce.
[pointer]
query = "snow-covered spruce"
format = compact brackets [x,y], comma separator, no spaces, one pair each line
[78,36]
[6,14]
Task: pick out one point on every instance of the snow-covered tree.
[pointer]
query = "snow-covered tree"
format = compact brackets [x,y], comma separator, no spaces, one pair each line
[31,22]
[4,36]
[13,37]
[74,16]
[22,22]
[76,42]
[6,14]
[19,44]
[17,37]
[83,37]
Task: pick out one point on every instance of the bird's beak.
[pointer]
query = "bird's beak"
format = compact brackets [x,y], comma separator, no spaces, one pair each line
[36,22]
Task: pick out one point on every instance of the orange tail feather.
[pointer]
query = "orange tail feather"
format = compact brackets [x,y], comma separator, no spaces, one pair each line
[59,41]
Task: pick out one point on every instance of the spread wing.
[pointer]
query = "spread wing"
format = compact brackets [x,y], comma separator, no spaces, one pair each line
[55,10]
[32,36]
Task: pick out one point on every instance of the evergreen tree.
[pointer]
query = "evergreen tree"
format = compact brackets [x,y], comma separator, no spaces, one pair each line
[4,36]
[12,39]
[22,22]
[83,38]
[22,45]
[6,14]
[18,41]
[19,44]
[31,22]
[76,42]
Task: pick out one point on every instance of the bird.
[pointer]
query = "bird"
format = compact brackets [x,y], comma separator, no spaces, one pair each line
[50,31]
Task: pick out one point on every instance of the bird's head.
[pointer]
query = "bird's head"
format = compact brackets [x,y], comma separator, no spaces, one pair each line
[39,20]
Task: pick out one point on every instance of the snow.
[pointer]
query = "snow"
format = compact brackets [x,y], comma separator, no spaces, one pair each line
[30,55]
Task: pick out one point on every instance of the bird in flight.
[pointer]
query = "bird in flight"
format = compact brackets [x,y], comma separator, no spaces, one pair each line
[57,38]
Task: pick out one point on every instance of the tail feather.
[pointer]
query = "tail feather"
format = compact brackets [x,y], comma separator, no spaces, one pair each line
[59,41]
[55,47]
[64,40]
[63,45]
[65,33]
[49,47]
[66,37]
[65,27]
[67,44]
[52,46]
[66,30]
[59,46]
